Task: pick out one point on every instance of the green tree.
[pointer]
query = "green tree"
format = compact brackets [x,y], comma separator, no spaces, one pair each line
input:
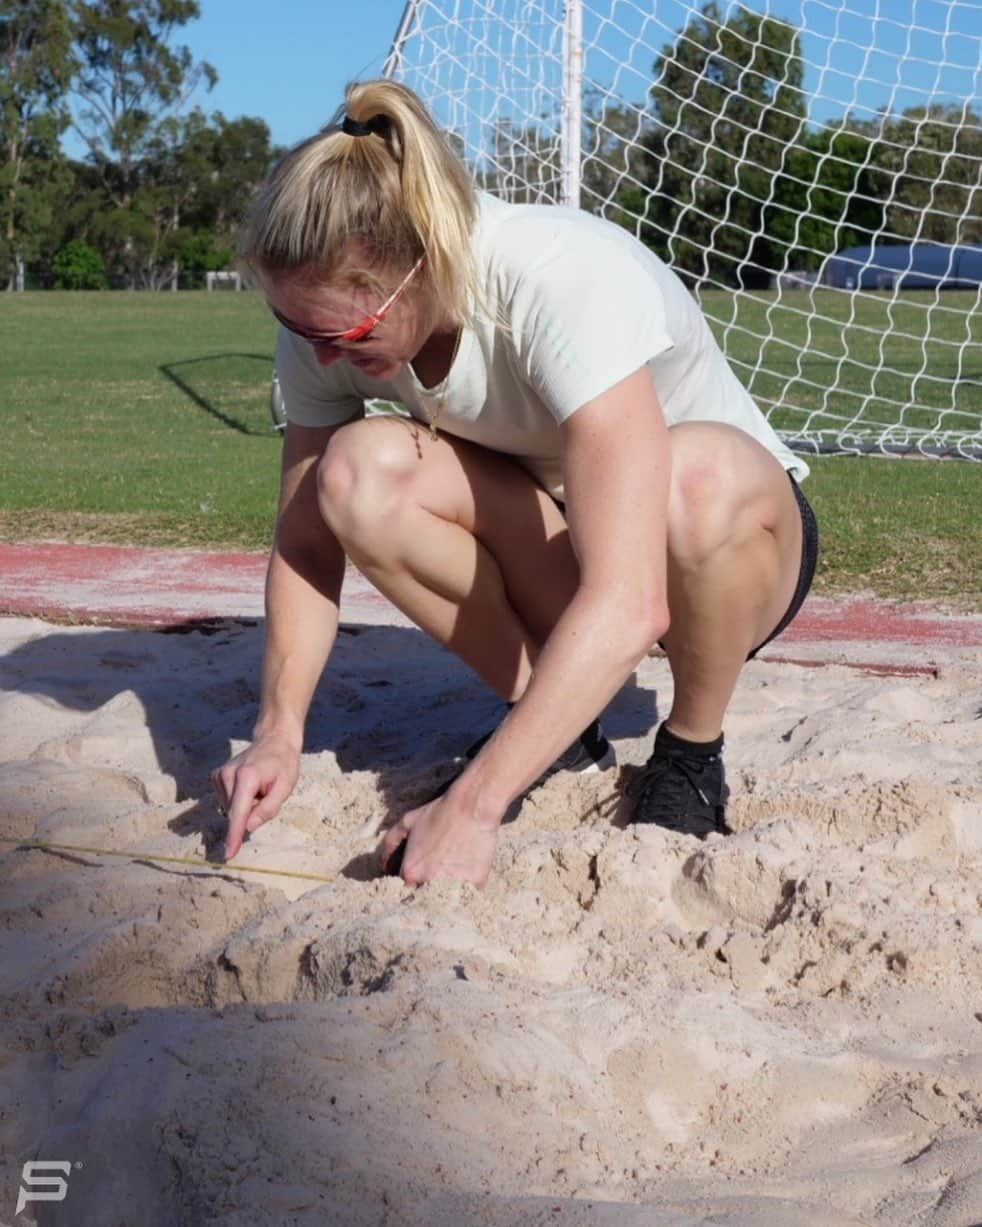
[79,267]
[523,166]
[132,82]
[617,164]
[728,107]
[35,69]
[192,186]
[826,199]
[200,254]
[166,186]
[927,165]
[198,176]
[227,160]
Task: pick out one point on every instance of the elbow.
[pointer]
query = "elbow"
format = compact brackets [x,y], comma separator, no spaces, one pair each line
[644,611]
[640,623]
[658,626]
[652,627]
[645,616]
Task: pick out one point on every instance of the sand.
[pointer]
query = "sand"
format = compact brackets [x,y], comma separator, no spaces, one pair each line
[625,1027]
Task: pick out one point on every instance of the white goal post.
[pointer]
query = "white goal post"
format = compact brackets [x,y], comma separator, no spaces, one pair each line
[223,281]
[811,168]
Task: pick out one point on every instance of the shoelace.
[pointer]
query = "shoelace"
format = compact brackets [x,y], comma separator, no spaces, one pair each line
[653,773]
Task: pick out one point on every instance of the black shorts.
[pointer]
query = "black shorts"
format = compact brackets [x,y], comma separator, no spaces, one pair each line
[806,573]
[809,560]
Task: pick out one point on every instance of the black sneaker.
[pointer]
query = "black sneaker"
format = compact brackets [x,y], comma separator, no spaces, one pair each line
[682,787]
[590,753]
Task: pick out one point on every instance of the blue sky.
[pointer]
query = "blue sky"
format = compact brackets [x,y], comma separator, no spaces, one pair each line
[289,62]
[286,62]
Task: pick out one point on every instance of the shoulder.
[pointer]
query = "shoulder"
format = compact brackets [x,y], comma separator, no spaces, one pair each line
[523,236]
[564,255]
[582,301]
[549,263]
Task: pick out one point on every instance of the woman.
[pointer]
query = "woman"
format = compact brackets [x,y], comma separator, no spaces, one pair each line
[582,475]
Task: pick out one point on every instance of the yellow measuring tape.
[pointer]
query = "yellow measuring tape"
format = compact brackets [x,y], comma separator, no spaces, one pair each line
[215,866]
[210,866]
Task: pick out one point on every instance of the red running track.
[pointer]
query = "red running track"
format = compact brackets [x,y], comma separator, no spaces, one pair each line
[123,586]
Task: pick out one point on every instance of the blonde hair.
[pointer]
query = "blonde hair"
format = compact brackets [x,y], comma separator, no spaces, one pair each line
[400,190]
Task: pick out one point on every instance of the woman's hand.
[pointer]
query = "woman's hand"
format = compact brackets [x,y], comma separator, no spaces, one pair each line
[252,786]
[442,841]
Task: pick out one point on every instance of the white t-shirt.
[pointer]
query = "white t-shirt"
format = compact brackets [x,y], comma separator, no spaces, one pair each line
[587,305]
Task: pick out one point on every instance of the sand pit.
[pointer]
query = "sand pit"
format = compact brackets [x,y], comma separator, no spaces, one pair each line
[626,1027]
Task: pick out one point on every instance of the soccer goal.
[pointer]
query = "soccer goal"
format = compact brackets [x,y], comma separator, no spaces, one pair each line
[223,281]
[811,168]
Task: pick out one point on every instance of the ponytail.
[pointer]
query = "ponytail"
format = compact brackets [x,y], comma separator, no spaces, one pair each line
[380,172]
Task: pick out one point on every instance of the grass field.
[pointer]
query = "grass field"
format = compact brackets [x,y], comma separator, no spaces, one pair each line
[143,418]
[829,359]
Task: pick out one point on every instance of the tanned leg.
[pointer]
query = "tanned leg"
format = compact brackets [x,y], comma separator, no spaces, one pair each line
[734,550]
[465,543]
[461,539]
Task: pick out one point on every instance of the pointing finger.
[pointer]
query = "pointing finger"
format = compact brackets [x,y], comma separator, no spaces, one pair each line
[239,809]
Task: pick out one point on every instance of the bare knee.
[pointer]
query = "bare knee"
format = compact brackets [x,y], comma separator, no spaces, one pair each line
[704,504]
[362,480]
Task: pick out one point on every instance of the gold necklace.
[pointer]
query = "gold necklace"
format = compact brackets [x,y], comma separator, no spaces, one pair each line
[433,418]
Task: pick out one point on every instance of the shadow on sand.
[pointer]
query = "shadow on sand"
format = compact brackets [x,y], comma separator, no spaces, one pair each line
[392,701]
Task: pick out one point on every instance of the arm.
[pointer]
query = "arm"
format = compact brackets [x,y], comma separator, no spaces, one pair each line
[303,590]
[617,469]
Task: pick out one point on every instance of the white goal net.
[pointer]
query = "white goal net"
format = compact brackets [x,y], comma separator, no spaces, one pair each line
[812,168]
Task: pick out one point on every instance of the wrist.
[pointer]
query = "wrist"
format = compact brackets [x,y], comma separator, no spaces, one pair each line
[474,795]
[281,728]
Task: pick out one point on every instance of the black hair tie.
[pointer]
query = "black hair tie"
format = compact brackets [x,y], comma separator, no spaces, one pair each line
[377,125]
